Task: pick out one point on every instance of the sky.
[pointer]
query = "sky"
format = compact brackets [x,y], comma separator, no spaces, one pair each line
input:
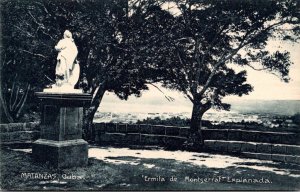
[268,86]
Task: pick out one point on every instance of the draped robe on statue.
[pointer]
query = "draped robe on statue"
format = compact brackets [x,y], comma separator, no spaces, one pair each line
[66,57]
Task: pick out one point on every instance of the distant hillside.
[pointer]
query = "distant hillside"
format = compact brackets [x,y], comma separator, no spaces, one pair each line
[282,107]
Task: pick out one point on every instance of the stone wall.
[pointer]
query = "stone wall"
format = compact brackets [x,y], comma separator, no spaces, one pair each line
[265,151]
[133,134]
[14,133]
[254,127]
[157,134]
[276,146]
[253,136]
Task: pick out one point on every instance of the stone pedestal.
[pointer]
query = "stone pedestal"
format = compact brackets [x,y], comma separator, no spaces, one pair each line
[61,142]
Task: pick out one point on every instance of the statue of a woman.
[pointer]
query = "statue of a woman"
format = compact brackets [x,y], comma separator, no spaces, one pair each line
[66,67]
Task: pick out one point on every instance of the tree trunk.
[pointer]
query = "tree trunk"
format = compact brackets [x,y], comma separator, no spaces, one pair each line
[196,118]
[195,139]
[5,116]
[22,101]
[89,113]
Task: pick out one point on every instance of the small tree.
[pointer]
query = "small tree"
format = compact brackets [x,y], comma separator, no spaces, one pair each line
[24,58]
[203,38]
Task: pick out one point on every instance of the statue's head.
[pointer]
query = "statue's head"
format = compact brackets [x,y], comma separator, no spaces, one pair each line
[67,34]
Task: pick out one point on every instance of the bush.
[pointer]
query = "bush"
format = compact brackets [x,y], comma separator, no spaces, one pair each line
[296,118]
[173,121]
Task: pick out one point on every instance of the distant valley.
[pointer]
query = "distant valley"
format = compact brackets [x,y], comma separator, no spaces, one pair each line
[279,107]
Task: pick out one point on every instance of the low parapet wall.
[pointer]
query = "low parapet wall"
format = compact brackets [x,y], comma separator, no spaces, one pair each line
[265,151]
[245,126]
[134,134]
[14,133]
[145,130]
[253,136]
[276,146]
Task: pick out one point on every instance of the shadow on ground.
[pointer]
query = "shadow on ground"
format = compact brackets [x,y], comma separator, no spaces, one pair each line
[126,169]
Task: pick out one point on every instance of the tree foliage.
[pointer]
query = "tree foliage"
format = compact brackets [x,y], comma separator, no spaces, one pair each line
[199,41]
[32,28]
[123,45]
[296,118]
[23,59]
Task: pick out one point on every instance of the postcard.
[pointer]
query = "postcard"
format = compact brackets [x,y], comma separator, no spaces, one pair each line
[188,95]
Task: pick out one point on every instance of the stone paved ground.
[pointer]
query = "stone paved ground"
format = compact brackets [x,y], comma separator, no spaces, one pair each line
[113,168]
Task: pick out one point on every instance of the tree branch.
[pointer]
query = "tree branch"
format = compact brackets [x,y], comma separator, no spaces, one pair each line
[35,20]
[190,98]
[186,77]
[22,101]
[35,54]
[222,60]
[49,78]
[243,43]
[16,99]
[263,69]
[183,65]
[45,9]
[3,101]
[11,94]
[30,35]
[201,62]
[166,96]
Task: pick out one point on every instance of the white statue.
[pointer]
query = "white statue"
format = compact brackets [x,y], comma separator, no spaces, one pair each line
[67,69]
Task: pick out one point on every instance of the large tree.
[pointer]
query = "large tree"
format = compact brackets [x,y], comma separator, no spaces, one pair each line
[100,30]
[202,39]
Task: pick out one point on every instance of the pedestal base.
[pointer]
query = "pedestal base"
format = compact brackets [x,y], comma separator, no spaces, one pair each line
[61,142]
[61,154]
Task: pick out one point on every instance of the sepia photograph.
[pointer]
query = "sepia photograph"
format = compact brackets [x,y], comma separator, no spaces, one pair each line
[150,95]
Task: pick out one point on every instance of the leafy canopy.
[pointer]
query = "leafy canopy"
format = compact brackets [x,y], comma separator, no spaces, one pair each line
[197,43]
[31,29]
